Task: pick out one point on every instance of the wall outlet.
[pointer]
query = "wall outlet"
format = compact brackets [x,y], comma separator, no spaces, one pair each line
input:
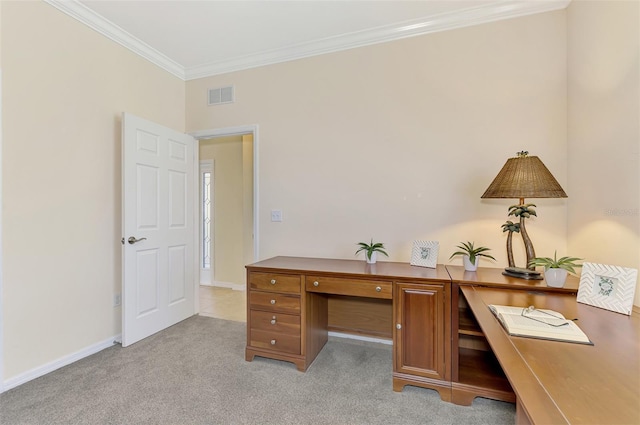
[117,300]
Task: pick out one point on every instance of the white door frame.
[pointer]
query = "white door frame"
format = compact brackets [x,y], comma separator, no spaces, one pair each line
[1,271]
[234,131]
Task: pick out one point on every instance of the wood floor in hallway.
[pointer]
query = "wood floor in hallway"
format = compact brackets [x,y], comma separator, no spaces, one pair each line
[223,303]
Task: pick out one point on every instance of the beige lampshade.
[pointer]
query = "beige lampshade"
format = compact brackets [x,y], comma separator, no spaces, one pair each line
[524,177]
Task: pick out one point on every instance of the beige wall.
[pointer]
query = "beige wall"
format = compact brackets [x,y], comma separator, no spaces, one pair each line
[604,132]
[232,221]
[64,89]
[398,141]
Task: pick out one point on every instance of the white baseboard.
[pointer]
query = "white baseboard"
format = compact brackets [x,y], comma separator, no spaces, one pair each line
[361,338]
[57,364]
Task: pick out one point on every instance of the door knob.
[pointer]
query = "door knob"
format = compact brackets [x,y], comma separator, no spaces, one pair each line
[133,240]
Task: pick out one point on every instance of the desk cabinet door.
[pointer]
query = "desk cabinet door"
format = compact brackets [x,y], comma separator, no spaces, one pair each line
[419,330]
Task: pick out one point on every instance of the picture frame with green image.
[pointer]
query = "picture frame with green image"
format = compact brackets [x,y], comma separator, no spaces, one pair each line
[425,253]
[608,287]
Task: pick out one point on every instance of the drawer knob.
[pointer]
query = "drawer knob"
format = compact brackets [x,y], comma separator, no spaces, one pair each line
[273,320]
[273,342]
[378,289]
[398,326]
[273,281]
[273,301]
[316,283]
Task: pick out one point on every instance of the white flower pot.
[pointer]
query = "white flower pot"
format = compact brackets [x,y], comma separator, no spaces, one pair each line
[555,277]
[468,266]
[373,259]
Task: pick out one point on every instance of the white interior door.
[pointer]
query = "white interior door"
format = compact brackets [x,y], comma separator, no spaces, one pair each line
[159,167]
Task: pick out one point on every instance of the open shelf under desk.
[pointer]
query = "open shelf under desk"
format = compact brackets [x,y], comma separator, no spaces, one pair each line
[467,324]
[359,316]
[480,374]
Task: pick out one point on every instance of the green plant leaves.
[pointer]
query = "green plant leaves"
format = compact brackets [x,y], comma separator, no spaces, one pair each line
[467,248]
[567,263]
[370,248]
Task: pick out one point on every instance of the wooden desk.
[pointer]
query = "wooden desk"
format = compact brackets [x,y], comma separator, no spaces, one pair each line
[444,336]
[559,382]
[293,302]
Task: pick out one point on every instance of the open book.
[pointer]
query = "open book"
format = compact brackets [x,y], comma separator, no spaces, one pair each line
[534,323]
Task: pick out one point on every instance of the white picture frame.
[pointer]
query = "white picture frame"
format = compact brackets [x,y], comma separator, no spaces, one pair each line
[425,253]
[608,287]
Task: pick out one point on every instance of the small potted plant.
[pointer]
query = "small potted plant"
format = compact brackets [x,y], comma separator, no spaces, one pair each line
[556,269]
[371,250]
[471,255]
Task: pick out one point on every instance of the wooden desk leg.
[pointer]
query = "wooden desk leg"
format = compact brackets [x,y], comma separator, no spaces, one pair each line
[400,381]
[521,415]
[249,355]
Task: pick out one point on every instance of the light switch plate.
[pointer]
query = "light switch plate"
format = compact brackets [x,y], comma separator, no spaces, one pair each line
[276,215]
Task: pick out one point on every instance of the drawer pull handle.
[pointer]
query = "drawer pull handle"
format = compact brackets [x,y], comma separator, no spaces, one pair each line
[398,326]
[378,289]
[316,283]
[273,301]
[273,320]
[273,281]
[273,342]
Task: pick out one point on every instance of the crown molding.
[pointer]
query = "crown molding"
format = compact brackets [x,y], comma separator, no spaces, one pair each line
[80,12]
[490,12]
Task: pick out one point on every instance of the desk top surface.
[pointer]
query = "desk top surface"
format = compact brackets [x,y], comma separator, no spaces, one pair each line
[356,268]
[396,270]
[485,276]
[561,382]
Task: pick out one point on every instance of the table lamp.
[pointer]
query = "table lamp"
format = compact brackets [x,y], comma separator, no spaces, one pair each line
[523,177]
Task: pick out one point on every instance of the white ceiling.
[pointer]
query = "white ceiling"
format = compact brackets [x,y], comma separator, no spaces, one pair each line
[193,39]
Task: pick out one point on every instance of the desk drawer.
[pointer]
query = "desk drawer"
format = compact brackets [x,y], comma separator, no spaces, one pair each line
[286,324]
[275,341]
[274,302]
[353,287]
[286,283]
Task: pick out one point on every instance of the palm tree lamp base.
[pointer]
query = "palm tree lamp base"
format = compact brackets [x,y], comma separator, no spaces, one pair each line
[523,177]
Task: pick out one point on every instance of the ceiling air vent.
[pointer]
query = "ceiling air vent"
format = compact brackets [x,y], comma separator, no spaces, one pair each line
[221,95]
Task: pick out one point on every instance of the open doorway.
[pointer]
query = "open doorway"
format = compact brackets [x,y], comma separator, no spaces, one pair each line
[226,223]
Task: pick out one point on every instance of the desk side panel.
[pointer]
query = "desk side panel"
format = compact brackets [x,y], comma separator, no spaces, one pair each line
[532,397]
[315,333]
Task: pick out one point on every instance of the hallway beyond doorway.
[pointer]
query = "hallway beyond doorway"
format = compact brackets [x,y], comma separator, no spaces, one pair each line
[223,303]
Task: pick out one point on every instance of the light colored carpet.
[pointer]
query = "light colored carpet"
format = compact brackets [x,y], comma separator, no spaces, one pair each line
[195,373]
